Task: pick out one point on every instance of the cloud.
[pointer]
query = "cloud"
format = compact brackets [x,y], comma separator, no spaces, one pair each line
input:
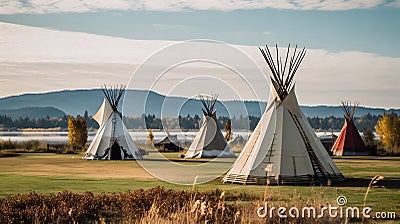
[266,33]
[395,3]
[169,26]
[41,60]
[57,6]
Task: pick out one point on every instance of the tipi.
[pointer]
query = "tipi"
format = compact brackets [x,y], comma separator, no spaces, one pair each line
[283,149]
[169,143]
[209,141]
[349,141]
[112,141]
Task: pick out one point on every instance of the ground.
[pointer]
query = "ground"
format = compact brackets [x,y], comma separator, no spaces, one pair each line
[49,173]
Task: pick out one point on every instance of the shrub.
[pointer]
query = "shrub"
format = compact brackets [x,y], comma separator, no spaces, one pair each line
[156,205]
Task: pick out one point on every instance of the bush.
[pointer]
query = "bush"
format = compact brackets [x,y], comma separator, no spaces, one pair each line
[68,207]
[7,144]
[8,153]
[29,145]
[156,205]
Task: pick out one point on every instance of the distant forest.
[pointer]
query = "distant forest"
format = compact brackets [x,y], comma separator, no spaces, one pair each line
[366,121]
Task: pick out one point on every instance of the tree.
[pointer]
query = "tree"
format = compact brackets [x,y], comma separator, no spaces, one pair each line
[228,130]
[77,132]
[150,136]
[388,130]
[368,137]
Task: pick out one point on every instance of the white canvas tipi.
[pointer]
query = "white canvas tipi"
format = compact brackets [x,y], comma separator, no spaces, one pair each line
[112,141]
[209,141]
[283,149]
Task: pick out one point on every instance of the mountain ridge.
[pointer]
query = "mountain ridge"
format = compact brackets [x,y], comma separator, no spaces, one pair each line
[134,103]
[33,112]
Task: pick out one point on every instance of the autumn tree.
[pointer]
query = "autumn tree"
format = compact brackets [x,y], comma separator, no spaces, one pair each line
[150,136]
[228,130]
[388,130]
[77,132]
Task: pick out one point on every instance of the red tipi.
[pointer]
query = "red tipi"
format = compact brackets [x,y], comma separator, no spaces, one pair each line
[349,141]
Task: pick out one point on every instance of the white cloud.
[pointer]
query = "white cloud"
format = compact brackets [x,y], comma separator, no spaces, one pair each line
[40,60]
[57,6]
[169,26]
[266,33]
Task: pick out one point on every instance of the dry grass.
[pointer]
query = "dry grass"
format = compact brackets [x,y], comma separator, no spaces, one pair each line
[70,165]
[156,205]
[49,173]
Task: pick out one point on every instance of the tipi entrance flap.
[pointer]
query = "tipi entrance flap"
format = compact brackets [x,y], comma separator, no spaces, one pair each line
[115,153]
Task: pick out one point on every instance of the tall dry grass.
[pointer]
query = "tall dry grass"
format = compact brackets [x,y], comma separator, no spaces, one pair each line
[156,205]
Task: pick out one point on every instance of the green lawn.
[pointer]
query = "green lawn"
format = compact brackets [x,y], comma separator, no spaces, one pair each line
[50,173]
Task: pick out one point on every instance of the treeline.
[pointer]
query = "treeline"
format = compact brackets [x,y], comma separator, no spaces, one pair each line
[47,122]
[365,122]
[188,122]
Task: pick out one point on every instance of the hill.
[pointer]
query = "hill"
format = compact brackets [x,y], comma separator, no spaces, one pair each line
[134,103]
[32,112]
[137,102]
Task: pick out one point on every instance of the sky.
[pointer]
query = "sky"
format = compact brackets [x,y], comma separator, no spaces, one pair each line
[352,47]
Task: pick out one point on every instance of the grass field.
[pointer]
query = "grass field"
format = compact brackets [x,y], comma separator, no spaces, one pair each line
[50,173]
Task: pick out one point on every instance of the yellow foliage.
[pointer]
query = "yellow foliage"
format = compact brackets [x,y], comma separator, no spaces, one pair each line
[388,130]
[228,130]
[77,132]
[150,136]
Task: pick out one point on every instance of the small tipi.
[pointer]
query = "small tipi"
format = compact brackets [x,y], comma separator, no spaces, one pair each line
[112,141]
[209,141]
[283,149]
[169,143]
[349,141]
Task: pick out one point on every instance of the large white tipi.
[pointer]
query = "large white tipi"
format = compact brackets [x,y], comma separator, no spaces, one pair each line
[112,141]
[283,149]
[209,141]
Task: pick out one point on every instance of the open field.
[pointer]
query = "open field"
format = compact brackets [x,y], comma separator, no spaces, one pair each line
[50,173]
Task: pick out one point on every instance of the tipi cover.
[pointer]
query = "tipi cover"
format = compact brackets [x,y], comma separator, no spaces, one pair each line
[283,149]
[209,141]
[349,141]
[112,141]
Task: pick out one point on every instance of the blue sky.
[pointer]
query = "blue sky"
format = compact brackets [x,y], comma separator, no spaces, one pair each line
[353,45]
[374,30]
